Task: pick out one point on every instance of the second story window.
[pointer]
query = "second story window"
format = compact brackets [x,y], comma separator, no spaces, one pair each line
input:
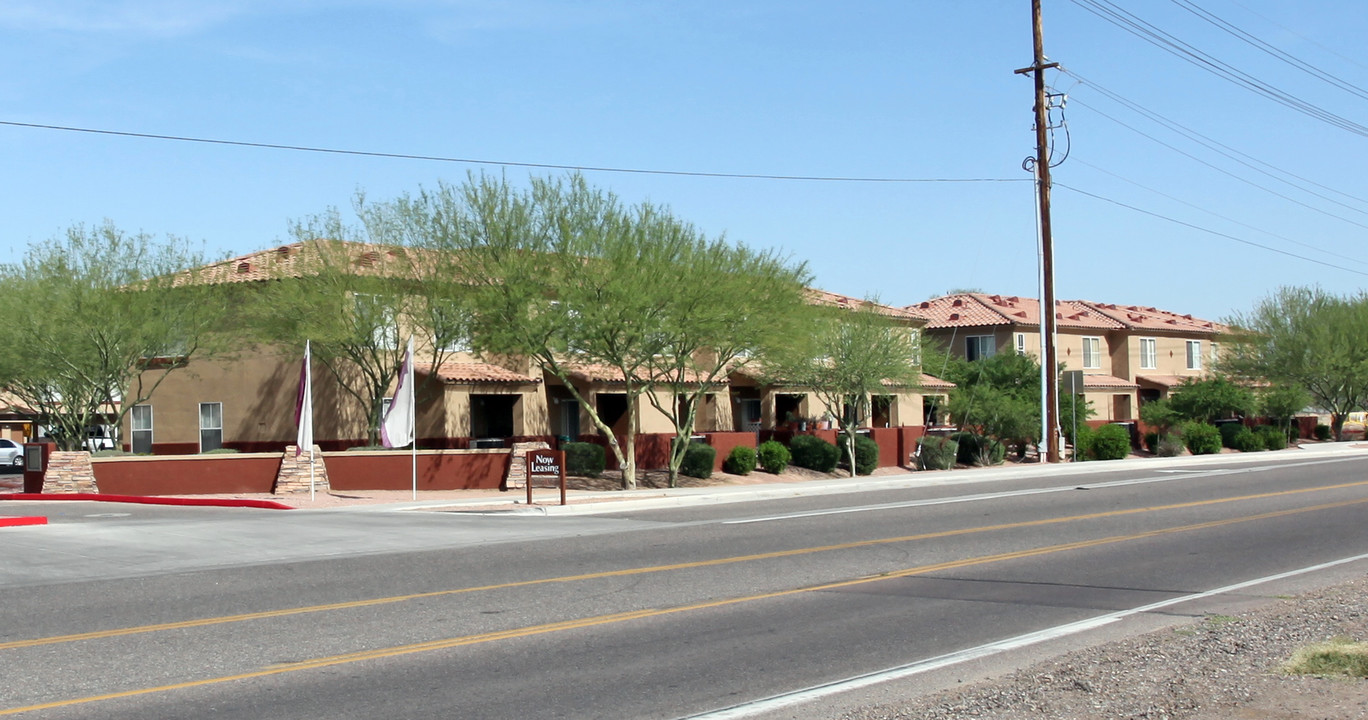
[1021,343]
[1092,353]
[1149,354]
[979,347]
[1194,354]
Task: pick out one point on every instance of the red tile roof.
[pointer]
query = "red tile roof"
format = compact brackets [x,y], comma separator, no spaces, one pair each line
[302,258]
[979,310]
[930,382]
[1107,382]
[830,299]
[469,373]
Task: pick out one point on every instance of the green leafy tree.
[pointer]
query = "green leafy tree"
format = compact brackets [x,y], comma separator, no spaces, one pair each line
[1211,399]
[357,291]
[844,356]
[1160,415]
[1307,338]
[1281,403]
[565,275]
[97,318]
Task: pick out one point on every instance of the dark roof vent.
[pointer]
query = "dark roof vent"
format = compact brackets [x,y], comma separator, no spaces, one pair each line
[244,267]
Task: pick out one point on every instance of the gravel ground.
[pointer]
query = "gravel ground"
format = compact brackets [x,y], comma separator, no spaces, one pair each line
[1220,668]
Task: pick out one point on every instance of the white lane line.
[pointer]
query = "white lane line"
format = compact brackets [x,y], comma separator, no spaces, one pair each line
[816,692]
[1174,475]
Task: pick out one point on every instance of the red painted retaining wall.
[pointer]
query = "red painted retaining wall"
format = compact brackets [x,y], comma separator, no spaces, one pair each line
[723,442]
[437,469]
[889,445]
[191,475]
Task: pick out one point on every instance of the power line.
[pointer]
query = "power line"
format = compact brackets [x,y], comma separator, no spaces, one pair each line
[1223,171]
[1268,169]
[503,163]
[1271,49]
[1215,214]
[1209,231]
[1131,23]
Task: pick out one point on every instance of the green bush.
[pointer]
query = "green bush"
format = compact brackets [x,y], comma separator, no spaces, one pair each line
[110,453]
[1082,443]
[1169,446]
[1152,442]
[1247,441]
[698,461]
[740,461]
[1110,442]
[975,449]
[220,451]
[1228,432]
[772,456]
[936,452]
[584,459]
[1274,438]
[1322,432]
[1201,438]
[866,455]
[814,453]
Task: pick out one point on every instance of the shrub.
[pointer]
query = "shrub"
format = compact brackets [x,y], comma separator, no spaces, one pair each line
[772,456]
[1152,442]
[866,455]
[1082,443]
[814,453]
[1228,432]
[936,453]
[740,461]
[110,453]
[1322,432]
[1247,441]
[698,461]
[1274,438]
[1169,446]
[975,449]
[584,459]
[220,451]
[1201,438]
[1110,442]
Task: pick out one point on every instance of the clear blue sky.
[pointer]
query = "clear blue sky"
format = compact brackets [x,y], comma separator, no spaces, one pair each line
[908,89]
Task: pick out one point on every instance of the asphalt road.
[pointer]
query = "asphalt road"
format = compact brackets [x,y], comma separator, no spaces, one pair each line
[789,608]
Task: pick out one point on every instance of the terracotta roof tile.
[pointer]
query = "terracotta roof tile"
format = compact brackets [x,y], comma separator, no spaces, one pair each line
[465,373]
[931,382]
[830,299]
[1107,382]
[979,309]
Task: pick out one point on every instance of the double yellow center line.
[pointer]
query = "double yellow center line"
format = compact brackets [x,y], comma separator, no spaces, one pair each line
[656,612]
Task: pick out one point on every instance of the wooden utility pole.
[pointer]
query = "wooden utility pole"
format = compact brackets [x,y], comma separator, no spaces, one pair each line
[1049,364]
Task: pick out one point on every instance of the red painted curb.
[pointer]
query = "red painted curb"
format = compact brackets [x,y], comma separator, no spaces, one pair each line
[16,521]
[150,500]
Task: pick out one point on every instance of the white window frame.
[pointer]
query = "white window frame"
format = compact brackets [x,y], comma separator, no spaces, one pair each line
[210,428]
[134,422]
[386,333]
[1149,354]
[1194,354]
[1092,353]
[980,352]
[1020,340]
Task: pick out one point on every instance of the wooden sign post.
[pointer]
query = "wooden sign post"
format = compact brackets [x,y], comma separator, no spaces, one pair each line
[546,465]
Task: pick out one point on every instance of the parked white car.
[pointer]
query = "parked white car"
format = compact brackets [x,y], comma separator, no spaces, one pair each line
[11,453]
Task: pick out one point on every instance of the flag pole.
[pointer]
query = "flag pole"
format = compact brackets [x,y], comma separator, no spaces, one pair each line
[413,419]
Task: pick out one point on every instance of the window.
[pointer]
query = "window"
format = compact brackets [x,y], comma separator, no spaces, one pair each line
[1149,355]
[979,347]
[140,420]
[1021,343]
[375,314]
[211,426]
[1194,354]
[1092,353]
[914,341]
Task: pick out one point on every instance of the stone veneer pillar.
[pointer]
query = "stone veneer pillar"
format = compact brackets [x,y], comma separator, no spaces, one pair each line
[69,472]
[517,463]
[294,472]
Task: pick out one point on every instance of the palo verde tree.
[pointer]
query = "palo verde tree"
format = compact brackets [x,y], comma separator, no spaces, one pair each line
[1307,338]
[565,275]
[357,291]
[96,319]
[727,306]
[1211,399]
[846,355]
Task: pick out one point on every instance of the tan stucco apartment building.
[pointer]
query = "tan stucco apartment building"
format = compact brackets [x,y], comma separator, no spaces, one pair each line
[1129,354]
